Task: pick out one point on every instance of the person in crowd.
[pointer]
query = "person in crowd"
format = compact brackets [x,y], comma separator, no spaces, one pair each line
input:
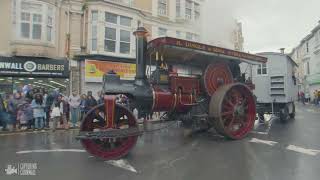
[83,106]
[3,115]
[67,107]
[302,97]
[25,115]
[55,94]
[63,100]
[318,97]
[74,103]
[49,98]
[56,112]
[315,97]
[13,105]
[38,111]
[100,95]
[91,101]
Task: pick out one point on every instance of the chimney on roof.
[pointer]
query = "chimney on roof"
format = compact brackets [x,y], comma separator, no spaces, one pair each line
[282,50]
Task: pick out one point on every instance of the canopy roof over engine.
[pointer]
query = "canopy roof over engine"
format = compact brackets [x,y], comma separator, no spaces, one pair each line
[187,52]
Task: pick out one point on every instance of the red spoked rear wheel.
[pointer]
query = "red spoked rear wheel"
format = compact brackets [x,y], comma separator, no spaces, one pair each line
[233,110]
[108,148]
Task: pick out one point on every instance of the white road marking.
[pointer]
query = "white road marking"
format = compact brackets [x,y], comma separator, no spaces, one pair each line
[50,150]
[175,160]
[312,152]
[121,163]
[270,143]
[257,132]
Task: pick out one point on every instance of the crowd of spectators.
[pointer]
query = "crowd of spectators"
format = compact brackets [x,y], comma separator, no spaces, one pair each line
[34,109]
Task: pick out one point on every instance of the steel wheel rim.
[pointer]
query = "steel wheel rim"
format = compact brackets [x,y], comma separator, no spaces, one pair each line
[108,148]
[233,111]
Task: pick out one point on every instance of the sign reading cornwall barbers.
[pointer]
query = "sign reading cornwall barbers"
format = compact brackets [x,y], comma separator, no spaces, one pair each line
[33,67]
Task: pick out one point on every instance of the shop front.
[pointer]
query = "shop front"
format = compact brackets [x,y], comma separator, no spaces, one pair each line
[95,69]
[35,72]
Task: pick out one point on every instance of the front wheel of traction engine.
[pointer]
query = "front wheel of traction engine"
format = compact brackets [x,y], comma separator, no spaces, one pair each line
[233,111]
[108,148]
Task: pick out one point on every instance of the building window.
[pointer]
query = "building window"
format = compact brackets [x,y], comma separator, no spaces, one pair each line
[196,37]
[262,69]
[178,8]
[110,39]
[94,30]
[111,18]
[307,46]
[36,20]
[49,24]
[188,10]
[196,11]
[125,21]
[124,42]
[162,32]
[307,68]
[117,33]
[162,7]
[189,36]
[178,34]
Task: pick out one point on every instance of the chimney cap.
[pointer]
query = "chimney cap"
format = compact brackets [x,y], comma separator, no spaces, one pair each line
[141,31]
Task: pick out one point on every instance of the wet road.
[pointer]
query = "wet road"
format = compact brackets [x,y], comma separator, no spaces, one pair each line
[285,151]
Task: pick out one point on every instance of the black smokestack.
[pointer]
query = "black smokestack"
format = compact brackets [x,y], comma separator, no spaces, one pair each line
[141,50]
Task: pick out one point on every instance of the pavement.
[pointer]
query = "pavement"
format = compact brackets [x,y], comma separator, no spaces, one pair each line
[273,151]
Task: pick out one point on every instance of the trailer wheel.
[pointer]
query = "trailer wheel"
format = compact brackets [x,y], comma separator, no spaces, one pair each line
[293,113]
[284,114]
[108,148]
[233,111]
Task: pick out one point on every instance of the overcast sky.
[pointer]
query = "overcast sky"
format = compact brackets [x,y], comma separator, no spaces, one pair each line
[271,24]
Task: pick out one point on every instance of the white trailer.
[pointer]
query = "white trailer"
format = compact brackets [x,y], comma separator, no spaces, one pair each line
[275,86]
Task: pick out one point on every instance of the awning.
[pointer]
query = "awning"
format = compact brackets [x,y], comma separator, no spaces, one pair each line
[182,51]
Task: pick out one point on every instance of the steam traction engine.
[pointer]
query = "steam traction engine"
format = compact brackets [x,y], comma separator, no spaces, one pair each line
[214,96]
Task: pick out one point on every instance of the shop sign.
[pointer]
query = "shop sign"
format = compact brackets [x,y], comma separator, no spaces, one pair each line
[38,67]
[94,70]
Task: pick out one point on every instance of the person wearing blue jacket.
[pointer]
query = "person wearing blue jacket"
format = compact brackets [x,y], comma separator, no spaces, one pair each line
[38,106]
